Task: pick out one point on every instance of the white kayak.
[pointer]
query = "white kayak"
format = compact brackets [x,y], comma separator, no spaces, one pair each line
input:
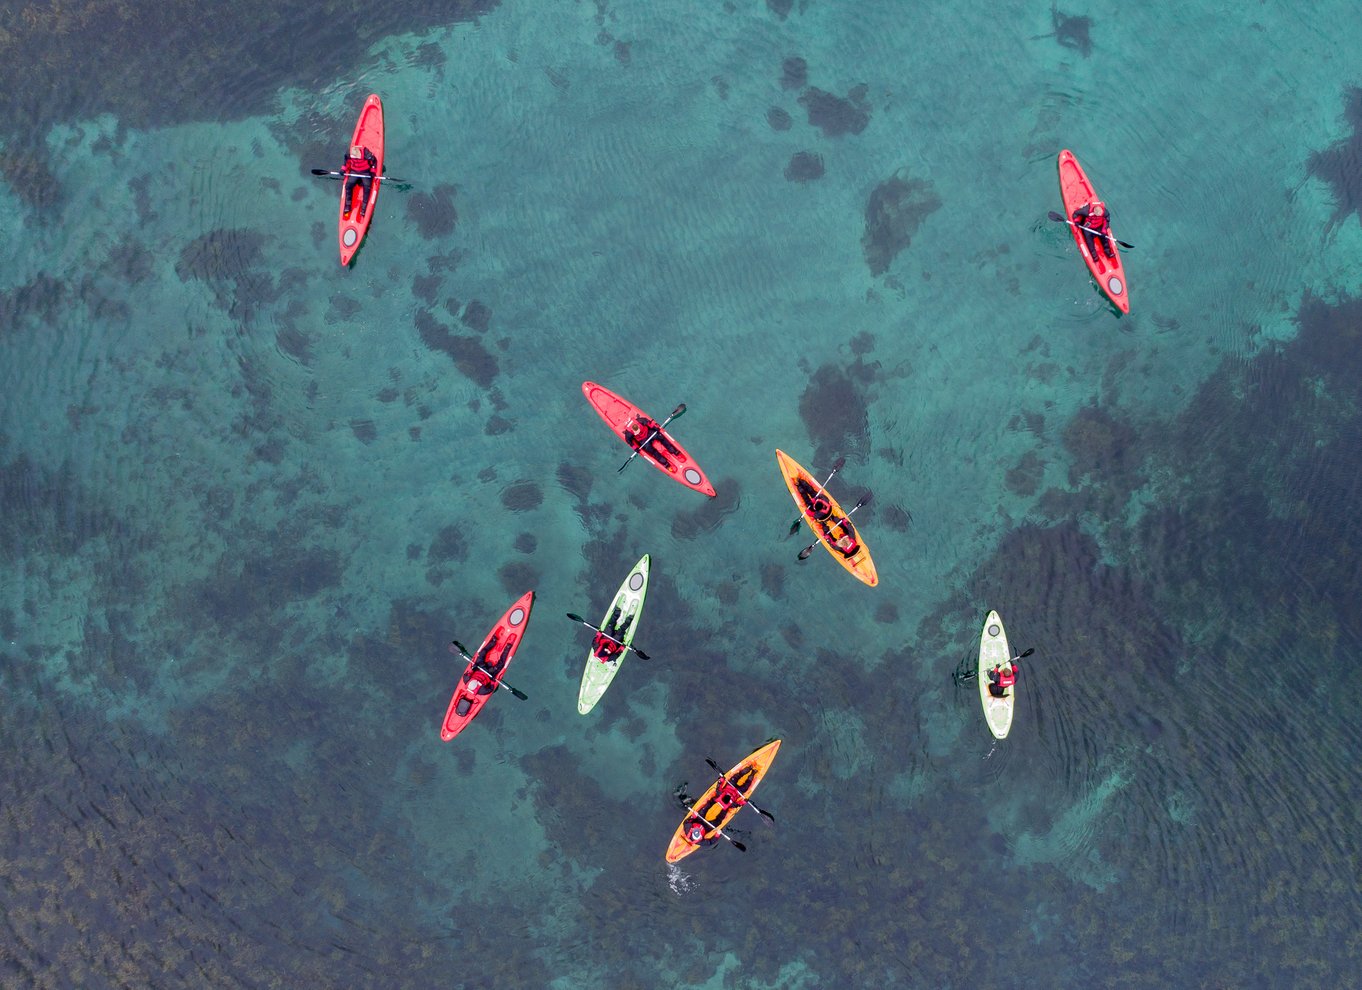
[993,651]
[628,600]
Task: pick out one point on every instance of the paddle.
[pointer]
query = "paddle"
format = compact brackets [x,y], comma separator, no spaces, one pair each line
[837,466]
[709,825]
[1060,219]
[975,673]
[675,413]
[340,175]
[804,554]
[499,683]
[765,814]
[578,618]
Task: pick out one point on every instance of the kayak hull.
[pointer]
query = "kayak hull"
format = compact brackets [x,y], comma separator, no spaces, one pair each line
[368,134]
[597,676]
[993,649]
[474,689]
[618,412]
[796,478]
[745,776]
[1077,191]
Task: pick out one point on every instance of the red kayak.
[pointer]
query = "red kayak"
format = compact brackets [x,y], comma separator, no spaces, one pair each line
[661,451]
[1077,191]
[481,677]
[368,134]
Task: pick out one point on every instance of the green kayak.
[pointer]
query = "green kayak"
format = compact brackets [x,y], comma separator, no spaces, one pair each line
[620,622]
[993,651]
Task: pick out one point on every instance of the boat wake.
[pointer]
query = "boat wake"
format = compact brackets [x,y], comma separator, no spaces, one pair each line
[678,881]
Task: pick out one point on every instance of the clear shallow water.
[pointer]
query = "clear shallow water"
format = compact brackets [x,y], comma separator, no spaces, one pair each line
[248,497]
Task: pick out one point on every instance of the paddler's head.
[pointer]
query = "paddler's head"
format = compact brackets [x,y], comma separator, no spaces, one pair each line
[356,151]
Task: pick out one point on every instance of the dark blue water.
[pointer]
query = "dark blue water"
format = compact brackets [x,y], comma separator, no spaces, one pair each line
[247,497]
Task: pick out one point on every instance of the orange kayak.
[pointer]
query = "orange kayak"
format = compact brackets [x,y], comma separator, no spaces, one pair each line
[368,134]
[711,815]
[832,530]
[1077,191]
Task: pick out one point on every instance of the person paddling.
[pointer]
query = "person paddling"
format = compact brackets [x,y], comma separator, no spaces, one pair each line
[728,795]
[847,544]
[1094,221]
[999,680]
[359,170]
[608,642]
[646,436]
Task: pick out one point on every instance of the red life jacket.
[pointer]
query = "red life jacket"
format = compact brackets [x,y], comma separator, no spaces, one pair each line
[359,165]
[729,796]
[1097,217]
[605,647]
[1007,677]
[820,507]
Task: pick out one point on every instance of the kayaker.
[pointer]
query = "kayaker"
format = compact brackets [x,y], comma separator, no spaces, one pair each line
[609,640]
[846,544]
[1096,218]
[728,795]
[646,436]
[1000,680]
[697,832]
[606,648]
[359,169]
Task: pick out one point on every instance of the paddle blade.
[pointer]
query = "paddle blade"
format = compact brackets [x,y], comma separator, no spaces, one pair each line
[764,813]
[575,618]
[461,648]
[794,527]
[738,845]
[804,554]
[838,464]
[519,694]
[1022,656]
[713,765]
[677,411]
[641,655]
[1055,216]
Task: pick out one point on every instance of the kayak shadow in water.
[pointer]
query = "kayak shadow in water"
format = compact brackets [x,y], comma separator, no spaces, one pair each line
[1069,31]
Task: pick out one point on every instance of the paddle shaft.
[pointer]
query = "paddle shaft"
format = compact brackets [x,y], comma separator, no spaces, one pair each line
[327,173]
[578,618]
[975,673]
[1074,223]
[495,680]
[639,449]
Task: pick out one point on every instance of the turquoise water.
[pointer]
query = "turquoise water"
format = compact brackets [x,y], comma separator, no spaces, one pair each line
[248,497]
